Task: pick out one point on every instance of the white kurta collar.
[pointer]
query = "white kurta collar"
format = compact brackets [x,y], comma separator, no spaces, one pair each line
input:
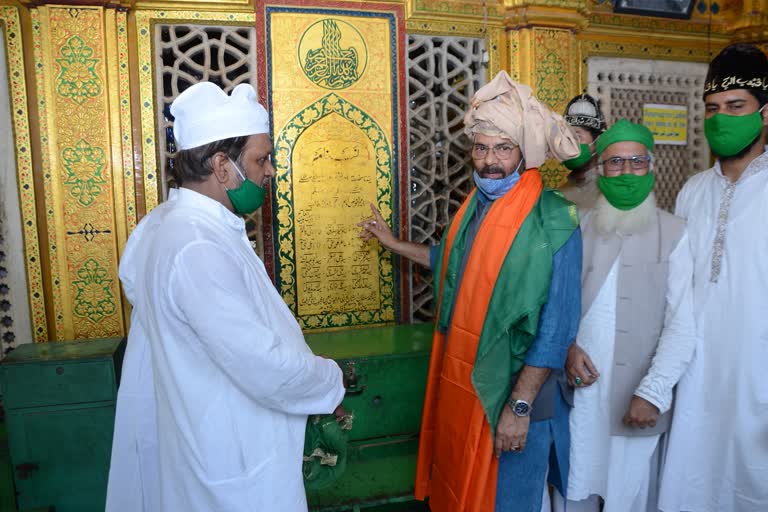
[214,208]
[757,165]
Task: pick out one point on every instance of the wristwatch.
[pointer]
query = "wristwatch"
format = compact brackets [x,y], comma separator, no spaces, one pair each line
[519,407]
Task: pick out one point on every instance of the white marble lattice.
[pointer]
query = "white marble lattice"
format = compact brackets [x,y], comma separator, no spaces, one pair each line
[443,74]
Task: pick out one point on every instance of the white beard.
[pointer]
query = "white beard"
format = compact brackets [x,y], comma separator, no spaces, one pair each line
[609,219]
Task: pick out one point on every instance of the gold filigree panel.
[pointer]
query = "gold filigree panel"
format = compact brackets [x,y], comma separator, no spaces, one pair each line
[145,21]
[545,58]
[78,79]
[9,18]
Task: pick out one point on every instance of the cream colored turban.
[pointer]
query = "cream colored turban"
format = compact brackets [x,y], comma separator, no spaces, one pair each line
[508,109]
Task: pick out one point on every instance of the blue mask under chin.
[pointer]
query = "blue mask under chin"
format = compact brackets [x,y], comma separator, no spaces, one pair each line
[495,188]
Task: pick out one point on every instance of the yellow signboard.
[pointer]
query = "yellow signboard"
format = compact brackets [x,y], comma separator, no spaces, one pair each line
[668,123]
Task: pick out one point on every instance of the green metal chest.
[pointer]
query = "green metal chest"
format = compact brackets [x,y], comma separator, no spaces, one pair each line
[60,408]
[386,373]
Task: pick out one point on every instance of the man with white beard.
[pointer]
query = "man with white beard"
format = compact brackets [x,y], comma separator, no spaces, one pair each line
[718,452]
[637,333]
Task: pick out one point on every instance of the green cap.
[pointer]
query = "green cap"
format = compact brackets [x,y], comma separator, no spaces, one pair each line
[622,131]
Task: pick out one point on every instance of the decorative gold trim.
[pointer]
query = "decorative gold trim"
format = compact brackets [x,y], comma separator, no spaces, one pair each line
[555,17]
[125,122]
[120,134]
[645,25]
[114,112]
[563,4]
[145,22]
[513,54]
[109,4]
[197,5]
[9,18]
[754,35]
[494,35]
[52,202]
[454,8]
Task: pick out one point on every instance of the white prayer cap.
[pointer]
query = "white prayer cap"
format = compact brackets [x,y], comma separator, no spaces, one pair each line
[204,114]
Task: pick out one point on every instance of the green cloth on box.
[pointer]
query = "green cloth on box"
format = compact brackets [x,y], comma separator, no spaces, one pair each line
[325,452]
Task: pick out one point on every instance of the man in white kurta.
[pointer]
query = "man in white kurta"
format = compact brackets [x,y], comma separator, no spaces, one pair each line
[717,459]
[217,380]
[637,300]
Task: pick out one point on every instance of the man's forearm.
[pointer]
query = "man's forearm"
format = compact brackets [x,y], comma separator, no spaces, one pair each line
[528,384]
[418,253]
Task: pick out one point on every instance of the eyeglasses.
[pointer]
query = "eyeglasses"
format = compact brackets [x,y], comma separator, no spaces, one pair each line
[636,163]
[502,151]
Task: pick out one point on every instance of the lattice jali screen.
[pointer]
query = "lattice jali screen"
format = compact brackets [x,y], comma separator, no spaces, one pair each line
[443,74]
[623,86]
[188,54]
[7,336]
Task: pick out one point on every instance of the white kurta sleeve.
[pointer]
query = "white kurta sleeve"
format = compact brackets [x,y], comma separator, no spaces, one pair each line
[681,202]
[678,338]
[209,291]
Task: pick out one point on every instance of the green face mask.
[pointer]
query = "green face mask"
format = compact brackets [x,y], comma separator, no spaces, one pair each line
[626,191]
[248,197]
[580,161]
[728,135]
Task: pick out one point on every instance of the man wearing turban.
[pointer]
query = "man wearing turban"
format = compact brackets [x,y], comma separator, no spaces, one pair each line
[718,452]
[637,332]
[217,380]
[507,294]
[587,122]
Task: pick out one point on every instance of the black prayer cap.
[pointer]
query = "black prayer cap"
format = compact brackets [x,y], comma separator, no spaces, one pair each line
[584,111]
[738,66]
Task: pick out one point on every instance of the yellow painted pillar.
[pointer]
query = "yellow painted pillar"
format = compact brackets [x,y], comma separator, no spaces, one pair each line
[86,164]
[543,53]
[751,26]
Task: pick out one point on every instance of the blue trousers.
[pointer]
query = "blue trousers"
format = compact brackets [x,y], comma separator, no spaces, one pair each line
[520,483]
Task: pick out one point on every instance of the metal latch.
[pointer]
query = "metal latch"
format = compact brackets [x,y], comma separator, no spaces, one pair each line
[355,384]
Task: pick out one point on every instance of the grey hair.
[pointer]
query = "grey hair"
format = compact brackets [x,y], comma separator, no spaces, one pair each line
[195,164]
